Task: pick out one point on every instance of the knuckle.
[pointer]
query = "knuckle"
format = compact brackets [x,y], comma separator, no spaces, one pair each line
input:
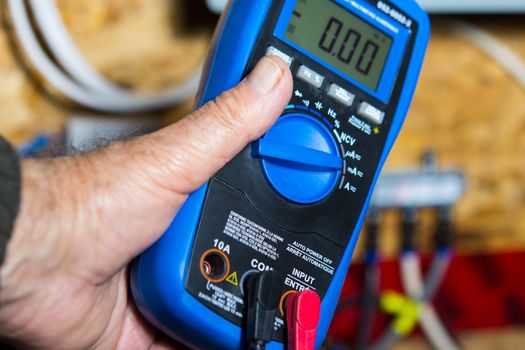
[232,110]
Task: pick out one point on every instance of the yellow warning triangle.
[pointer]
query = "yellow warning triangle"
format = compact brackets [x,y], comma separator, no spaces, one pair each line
[233,279]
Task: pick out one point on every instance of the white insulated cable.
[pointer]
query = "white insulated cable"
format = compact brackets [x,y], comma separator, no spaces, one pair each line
[512,62]
[429,321]
[411,275]
[434,329]
[216,6]
[59,41]
[88,88]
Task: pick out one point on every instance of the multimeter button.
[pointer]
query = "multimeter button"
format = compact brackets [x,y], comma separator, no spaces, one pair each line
[306,74]
[373,114]
[341,95]
[300,158]
[272,51]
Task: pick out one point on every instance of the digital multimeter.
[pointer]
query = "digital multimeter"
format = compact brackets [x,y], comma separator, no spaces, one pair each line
[294,201]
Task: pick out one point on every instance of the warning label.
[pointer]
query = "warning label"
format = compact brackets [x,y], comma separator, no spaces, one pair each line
[252,235]
[223,300]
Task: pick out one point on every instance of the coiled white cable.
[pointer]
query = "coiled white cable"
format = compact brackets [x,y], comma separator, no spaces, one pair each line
[216,6]
[83,85]
[492,47]
[56,36]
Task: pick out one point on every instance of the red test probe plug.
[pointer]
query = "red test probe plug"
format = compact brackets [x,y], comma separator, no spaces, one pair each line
[303,311]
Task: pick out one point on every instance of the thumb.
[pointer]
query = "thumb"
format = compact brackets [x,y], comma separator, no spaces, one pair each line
[193,150]
[155,173]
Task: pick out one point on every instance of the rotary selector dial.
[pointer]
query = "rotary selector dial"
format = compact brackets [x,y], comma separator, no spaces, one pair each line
[300,158]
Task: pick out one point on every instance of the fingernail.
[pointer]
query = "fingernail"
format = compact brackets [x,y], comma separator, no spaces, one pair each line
[266,74]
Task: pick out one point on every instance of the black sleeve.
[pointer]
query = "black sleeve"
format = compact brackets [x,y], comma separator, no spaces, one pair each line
[10,191]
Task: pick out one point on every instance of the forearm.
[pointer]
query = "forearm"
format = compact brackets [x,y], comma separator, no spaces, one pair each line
[31,229]
[9,193]
[36,249]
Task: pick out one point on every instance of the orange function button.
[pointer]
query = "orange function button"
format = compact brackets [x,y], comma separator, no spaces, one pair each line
[214,265]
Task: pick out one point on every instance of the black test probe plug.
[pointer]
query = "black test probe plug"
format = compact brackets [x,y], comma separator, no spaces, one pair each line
[371,287]
[263,293]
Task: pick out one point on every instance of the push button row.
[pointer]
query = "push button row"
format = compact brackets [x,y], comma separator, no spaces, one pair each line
[309,76]
[335,92]
[367,111]
[272,51]
[341,95]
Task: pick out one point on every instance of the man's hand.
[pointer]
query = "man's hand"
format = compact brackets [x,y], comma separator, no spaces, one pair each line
[83,219]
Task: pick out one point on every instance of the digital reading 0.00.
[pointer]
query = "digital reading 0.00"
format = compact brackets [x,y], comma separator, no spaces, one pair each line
[341,39]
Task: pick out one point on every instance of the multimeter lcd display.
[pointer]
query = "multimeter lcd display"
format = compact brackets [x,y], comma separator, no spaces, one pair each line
[341,39]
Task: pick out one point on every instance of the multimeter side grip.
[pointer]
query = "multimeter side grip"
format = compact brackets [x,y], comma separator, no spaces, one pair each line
[158,296]
[234,46]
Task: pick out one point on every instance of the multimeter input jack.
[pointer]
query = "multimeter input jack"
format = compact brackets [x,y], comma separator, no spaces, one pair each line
[214,265]
[282,302]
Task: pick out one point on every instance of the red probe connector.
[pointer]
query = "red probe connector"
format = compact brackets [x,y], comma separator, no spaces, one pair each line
[303,311]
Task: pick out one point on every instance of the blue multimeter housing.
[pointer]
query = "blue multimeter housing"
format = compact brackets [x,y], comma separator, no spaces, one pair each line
[295,200]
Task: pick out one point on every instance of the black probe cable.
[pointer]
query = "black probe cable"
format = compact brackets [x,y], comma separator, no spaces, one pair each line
[371,287]
[419,289]
[408,229]
[432,326]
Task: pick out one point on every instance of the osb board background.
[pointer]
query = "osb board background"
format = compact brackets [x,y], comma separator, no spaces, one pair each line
[467,109]
[472,113]
[142,44]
